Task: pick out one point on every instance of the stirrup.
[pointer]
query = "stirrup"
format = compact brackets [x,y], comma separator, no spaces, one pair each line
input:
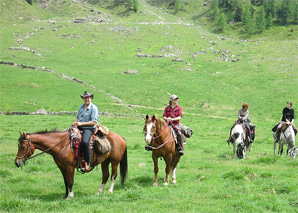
[86,168]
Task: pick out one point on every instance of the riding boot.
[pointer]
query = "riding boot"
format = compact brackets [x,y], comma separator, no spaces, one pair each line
[86,167]
[277,135]
[180,145]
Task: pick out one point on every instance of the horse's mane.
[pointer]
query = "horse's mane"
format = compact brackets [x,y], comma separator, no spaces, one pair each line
[55,130]
[159,123]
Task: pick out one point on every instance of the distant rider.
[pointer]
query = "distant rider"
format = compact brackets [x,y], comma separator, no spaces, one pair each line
[244,119]
[86,120]
[172,115]
[287,117]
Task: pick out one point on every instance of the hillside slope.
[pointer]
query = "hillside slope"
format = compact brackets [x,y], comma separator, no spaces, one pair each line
[213,75]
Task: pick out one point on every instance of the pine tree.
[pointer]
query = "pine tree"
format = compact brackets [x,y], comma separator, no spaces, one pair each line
[136,5]
[222,22]
[269,20]
[215,11]
[283,13]
[251,25]
[260,22]
[246,15]
[178,5]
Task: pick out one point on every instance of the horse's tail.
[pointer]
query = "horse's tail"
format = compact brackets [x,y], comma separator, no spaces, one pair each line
[123,166]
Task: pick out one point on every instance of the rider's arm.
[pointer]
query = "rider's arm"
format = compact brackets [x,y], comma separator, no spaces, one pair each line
[177,118]
[89,123]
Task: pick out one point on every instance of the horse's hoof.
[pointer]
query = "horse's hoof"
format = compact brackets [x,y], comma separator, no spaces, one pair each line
[155,184]
[174,181]
[166,183]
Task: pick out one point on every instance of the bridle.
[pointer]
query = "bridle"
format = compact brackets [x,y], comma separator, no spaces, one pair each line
[25,156]
[154,132]
[29,149]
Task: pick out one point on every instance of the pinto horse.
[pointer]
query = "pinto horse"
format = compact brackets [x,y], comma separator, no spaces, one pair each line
[57,144]
[287,137]
[163,145]
[240,141]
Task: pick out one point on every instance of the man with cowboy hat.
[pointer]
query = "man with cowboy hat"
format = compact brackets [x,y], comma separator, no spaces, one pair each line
[86,120]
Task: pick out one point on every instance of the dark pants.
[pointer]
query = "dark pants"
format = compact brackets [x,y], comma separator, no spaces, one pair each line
[180,138]
[86,136]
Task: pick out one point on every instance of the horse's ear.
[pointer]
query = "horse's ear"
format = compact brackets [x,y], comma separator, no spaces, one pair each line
[21,133]
[147,117]
[153,117]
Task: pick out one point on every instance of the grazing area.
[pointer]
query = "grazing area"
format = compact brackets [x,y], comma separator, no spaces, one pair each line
[53,51]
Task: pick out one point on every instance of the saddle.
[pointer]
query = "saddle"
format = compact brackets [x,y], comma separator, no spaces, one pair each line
[285,126]
[98,142]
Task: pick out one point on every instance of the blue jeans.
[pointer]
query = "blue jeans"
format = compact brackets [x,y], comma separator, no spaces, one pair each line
[86,136]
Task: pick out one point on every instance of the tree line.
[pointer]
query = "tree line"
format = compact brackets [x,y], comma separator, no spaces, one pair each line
[256,15]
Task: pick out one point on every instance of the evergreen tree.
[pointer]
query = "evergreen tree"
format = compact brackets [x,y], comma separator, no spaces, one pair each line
[178,5]
[261,21]
[136,5]
[222,22]
[269,20]
[246,15]
[251,25]
[215,11]
[283,14]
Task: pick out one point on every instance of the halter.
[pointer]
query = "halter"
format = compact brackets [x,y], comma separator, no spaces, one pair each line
[29,144]
[153,138]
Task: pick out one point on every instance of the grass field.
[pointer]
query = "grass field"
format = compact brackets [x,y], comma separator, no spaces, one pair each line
[210,90]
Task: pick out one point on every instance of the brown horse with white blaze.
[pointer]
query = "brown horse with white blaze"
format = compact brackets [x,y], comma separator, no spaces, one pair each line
[163,145]
[57,144]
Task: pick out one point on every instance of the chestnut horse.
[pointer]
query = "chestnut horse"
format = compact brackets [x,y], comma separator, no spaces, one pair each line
[57,144]
[163,145]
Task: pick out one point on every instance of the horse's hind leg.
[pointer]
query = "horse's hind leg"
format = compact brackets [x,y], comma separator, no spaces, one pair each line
[114,175]
[105,175]
[155,161]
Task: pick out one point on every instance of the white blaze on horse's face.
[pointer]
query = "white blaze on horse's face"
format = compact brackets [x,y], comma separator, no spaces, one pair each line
[149,135]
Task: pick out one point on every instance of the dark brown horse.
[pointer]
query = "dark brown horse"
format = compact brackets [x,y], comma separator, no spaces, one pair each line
[163,145]
[57,144]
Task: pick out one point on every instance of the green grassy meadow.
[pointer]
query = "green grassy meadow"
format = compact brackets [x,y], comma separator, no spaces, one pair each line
[210,92]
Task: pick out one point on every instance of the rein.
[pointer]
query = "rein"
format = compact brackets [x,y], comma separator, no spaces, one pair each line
[29,142]
[161,133]
[164,142]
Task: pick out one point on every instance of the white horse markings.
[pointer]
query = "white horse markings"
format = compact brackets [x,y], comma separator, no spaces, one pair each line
[287,138]
[239,143]
[148,133]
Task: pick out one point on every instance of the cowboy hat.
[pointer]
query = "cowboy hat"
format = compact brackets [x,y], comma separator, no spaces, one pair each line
[87,94]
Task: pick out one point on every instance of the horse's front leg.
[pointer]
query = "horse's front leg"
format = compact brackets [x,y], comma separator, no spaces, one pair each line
[274,144]
[234,150]
[280,148]
[155,161]
[68,175]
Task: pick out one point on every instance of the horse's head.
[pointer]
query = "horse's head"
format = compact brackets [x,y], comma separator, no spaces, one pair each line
[241,150]
[26,149]
[292,152]
[149,128]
